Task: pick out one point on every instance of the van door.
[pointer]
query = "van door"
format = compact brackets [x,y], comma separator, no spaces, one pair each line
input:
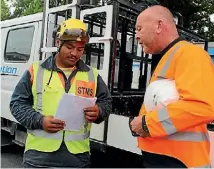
[18,46]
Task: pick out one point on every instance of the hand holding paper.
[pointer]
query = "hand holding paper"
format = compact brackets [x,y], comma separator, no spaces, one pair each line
[71,110]
[52,125]
[91,113]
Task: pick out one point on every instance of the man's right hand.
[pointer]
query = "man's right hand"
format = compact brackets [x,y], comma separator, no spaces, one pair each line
[52,125]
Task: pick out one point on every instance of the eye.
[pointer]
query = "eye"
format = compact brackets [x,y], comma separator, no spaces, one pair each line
[139,29]
[80,49]
[69,47]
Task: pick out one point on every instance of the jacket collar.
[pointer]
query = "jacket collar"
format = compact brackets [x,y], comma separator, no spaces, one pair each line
[50,64]
[171,45]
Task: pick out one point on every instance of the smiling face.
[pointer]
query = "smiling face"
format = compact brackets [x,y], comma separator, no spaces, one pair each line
[70,53]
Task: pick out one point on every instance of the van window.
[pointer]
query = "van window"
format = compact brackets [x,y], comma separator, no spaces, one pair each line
[18,45]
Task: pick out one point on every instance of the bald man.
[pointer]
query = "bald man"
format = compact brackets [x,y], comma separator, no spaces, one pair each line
[173,134]
[155,29]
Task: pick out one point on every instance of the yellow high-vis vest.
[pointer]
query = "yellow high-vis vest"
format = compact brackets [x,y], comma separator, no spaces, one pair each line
[46,100]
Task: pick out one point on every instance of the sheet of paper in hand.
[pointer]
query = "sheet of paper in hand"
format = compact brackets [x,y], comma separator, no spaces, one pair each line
[70,109]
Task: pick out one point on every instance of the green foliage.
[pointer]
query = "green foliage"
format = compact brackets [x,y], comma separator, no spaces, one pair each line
[5,12]
[195,15]
[26,7]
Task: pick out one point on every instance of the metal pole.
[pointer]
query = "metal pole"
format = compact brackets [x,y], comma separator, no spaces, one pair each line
[44,27]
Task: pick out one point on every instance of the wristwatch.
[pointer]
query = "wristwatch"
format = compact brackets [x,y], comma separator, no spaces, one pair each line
[144,126]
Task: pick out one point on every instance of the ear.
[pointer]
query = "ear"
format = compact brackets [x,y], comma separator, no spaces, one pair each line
[159,26]
[57,43]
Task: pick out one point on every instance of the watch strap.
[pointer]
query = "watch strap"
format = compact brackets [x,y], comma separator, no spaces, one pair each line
[144,125]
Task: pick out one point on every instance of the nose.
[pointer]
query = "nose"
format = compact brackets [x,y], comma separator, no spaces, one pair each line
[137,36]
[74,51]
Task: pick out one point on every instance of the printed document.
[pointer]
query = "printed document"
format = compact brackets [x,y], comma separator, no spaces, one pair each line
[71,110]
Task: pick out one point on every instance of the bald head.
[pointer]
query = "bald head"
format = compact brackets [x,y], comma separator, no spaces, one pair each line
[158,12]
[155,29]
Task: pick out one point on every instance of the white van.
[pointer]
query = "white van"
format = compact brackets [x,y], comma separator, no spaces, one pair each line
[20,46]
[113,50]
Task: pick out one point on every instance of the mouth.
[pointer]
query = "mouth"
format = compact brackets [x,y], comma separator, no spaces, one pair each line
[141,44]
[72,59]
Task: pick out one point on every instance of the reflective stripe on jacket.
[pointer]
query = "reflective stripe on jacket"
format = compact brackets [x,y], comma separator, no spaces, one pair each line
[179,129]
[46,99]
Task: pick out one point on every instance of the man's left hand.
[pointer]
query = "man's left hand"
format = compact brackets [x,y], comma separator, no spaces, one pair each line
[91,113]
[136,126]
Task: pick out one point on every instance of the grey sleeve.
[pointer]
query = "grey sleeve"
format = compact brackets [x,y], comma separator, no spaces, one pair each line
[21,104]
[104,100]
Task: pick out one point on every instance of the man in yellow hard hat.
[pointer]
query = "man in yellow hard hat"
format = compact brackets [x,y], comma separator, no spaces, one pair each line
[36,97]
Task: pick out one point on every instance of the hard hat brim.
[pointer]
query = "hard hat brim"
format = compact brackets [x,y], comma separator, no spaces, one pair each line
[75,35]
[73,38]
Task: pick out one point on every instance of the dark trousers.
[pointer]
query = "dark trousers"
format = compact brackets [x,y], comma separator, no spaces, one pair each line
[27,165]
[151,160]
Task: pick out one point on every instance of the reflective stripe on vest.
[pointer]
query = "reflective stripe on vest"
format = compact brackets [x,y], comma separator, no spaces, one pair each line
[167,63]
[77,137]
[57,136]
[190,136]
[162,113]
[180,136]
[39,88]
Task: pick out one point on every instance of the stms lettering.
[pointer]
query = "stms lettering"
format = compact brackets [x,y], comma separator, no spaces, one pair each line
[85,91]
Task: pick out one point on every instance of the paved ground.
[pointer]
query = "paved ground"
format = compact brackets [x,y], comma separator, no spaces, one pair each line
[11,155]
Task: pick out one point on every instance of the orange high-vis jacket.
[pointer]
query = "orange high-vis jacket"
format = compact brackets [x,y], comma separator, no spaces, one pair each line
[179,129]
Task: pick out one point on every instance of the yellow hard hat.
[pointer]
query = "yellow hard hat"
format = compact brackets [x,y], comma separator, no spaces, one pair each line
[73,29]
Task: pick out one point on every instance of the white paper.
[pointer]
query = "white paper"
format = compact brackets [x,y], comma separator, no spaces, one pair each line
[70,110]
